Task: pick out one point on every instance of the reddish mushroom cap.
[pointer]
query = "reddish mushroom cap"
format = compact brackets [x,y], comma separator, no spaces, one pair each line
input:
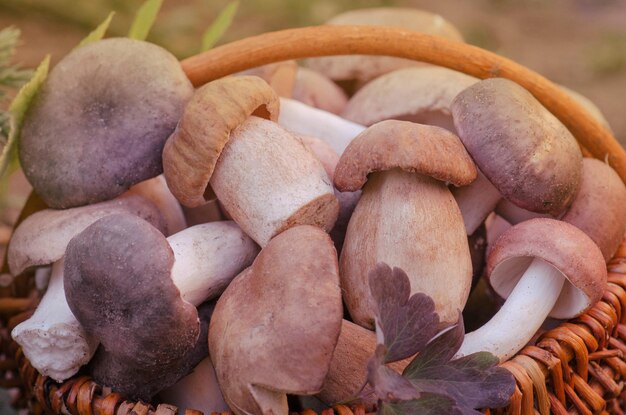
[562,245]
[275,327]
[524,150]
[425,149]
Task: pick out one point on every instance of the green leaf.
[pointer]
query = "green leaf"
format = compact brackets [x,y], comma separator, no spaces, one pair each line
[9,161]
[427,404]
[99,32]
[219,26]
[144,19]
[403,324]
[473,381]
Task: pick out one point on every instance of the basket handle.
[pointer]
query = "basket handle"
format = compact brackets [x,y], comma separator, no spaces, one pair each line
[392,41]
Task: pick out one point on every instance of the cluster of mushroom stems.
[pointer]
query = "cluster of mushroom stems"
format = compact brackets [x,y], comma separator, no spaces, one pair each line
[152,291]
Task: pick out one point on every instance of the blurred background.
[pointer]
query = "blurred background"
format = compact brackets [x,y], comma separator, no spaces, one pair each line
[578,43]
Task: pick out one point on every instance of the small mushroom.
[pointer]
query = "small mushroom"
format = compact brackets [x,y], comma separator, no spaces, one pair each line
[275,327]
[124,280]
[288,185]
[304,120]
[92,133]
[420,94]
[521,148]
[404,204]
[364,68]
[543,267]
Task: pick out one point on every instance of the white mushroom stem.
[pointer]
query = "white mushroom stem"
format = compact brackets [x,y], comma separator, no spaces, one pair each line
[198,390]
[302,119]
[207,258]
[523,313]
[268,181]
[52,339]
[476,201]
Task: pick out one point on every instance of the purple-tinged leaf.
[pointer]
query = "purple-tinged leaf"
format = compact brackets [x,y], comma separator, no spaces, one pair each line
[388,385]
[473,381]
[427,404]
[405,325]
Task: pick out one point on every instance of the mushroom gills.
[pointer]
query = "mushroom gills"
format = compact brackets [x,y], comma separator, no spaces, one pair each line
[524,311]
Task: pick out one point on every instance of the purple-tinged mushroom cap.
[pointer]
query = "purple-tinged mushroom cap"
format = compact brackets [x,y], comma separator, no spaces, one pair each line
[100,121]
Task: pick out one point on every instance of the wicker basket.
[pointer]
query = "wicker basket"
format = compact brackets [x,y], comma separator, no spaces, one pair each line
[577,367]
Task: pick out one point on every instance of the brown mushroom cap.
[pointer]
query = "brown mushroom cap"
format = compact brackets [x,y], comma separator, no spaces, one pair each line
[562,245]
[191,153]
[425,149]
[364,68]
[275,327]
[522,148]
[118,285]
[100,121]
[318,91]
[599,209]
[421,94]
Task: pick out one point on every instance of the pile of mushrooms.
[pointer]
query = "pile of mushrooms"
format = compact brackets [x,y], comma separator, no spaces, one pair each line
[297,187]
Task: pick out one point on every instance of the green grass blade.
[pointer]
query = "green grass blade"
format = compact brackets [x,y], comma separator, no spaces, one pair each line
[98,32]
[9,161]
[144,19]
[219,26]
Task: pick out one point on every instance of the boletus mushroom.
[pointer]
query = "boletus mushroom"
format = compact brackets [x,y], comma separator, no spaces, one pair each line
[92,133]
[406,216]
[275,327]
[543,267]
[523,150]
[124,280]
[52,339]
[218,140]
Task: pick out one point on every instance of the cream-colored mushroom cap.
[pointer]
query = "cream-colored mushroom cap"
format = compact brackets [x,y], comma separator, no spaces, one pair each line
[363,68]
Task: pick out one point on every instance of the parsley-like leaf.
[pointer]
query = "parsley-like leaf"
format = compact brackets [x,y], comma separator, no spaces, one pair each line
[473,381]
[432,383]
[405,323]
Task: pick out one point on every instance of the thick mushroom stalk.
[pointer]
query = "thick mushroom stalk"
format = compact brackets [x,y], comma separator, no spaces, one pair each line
[521,148]
[218,140]
[275,327]
[544,268]
[52,339]
[406,215]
